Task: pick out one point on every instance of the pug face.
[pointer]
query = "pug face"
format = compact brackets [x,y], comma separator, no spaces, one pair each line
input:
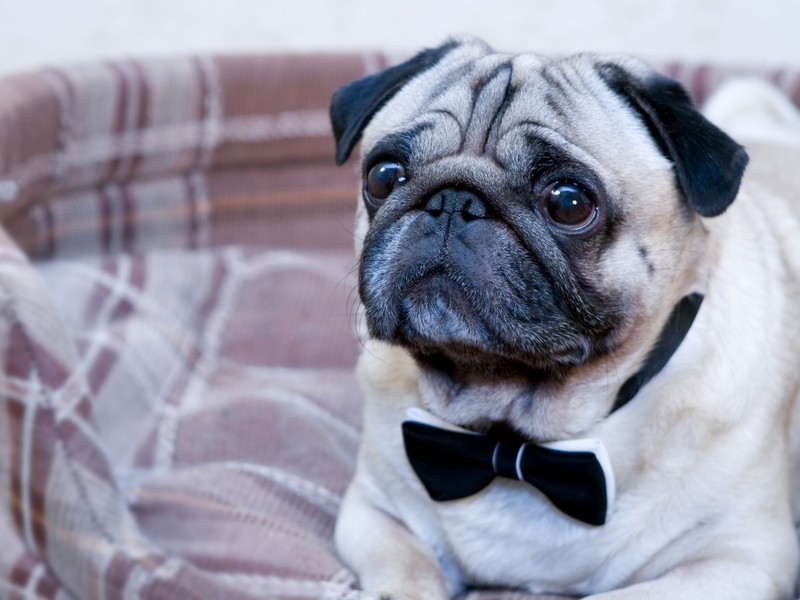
[528,224]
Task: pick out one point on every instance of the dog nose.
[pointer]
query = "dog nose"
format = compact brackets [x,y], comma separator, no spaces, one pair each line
[457,201]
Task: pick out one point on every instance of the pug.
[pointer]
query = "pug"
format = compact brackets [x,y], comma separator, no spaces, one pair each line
[581,336]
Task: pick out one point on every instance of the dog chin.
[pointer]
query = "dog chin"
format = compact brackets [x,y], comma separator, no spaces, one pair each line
[492,393]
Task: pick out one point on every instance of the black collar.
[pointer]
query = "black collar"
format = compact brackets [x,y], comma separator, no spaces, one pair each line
[672,335]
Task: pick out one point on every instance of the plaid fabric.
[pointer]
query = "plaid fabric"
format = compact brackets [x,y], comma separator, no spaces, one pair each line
[179,417]
[177,293]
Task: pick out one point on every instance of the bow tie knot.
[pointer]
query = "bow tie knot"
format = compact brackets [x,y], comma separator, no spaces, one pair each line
[506,459]
[453,463]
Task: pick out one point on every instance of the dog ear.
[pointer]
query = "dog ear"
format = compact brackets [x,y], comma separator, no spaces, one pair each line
[708,164]
[354,104]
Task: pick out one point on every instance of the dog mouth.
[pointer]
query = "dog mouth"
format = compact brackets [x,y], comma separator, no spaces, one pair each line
[484,368]
[454,327]
[436,310]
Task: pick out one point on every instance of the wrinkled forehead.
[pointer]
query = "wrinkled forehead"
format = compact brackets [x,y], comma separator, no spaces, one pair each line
[500,105]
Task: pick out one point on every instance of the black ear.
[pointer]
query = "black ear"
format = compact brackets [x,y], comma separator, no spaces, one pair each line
[708,164]
[354,104]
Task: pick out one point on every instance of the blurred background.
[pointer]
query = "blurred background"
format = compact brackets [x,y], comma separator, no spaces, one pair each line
[36,33]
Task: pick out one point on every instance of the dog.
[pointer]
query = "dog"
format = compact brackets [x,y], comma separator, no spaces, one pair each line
[581,335]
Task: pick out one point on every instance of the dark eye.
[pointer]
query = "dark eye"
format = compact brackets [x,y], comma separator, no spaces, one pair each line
[568,206]
[382,180]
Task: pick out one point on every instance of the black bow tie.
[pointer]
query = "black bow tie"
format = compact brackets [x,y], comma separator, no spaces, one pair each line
[453,465]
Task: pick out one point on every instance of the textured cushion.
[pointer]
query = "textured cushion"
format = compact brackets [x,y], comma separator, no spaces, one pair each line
[179,417]
[221,389]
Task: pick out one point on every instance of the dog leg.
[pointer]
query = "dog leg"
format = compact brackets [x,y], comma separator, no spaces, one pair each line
[390,562]
[718,579]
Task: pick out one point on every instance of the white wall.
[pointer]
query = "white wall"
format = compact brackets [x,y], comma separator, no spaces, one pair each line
[752,32]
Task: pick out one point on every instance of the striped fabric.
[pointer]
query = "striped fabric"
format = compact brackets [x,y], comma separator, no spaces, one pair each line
[177,297]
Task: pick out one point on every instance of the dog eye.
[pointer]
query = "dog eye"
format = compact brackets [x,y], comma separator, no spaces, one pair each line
[568,206]
[382,180]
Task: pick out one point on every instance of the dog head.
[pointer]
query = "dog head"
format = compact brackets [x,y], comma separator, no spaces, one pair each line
[526,225]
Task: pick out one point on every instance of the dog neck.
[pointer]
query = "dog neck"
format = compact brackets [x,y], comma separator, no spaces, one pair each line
[483,407]
[672,335]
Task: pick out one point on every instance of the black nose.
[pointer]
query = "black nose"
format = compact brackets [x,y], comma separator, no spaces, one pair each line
[457,202]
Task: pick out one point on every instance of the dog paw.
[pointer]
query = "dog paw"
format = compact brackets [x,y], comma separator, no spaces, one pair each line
[393,595]
[361,595]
